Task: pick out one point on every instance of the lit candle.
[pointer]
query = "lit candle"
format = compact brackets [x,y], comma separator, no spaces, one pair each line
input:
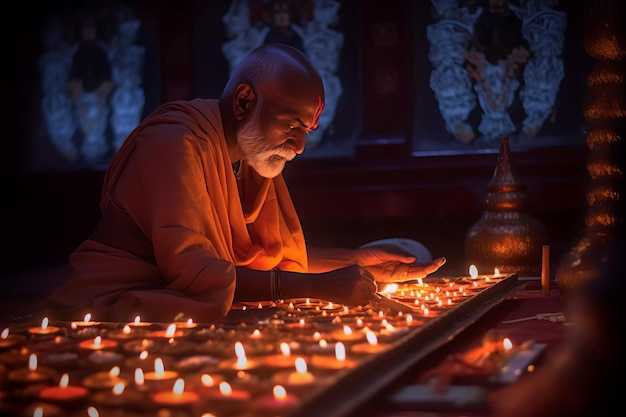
[177,397]
[298,381]
[279,403]
[138,323]
[126,333]
[9,340]
[281,360]
[160,376]
[372,346]
[346,334]
[87,322]
[98,343]
[241,362]
[188,324]
[339,361]
[44,329]
[170,332]
[32,374]
[227,400]
[104,380]
[64,393]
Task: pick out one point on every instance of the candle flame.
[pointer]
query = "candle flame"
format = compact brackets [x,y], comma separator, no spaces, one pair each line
[137,320]
[64,381]
[409,319]
[301,367]
[473,271]
[190,322]
[301,322]
[340,351]
[139,377]
[115,371]
[32,362]
[225,388]
[323,343]
[280,393]
[97,341]
[38,412]
[389,288]
[87,318]
[171,330]
[92,411]
[507,344]
[118,388]
[317,336]
[371,338]
[5,333]
[284,349]
[44,323]
[256,334]
[347,330]
[239,350]
[179,386]
[496,272]
[126,329]
[143,355]
[159,368]
[207,380]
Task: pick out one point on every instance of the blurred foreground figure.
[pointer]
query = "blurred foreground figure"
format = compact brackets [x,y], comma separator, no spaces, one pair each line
[586,376]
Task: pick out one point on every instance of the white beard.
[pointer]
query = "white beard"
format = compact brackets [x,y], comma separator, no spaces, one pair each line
[268,162]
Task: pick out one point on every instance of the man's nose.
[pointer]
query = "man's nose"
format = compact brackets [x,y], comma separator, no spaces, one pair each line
[297,141]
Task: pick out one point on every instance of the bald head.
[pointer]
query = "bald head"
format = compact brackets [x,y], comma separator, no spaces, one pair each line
[273,66]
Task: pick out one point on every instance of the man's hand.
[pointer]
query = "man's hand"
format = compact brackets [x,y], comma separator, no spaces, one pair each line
[389,263]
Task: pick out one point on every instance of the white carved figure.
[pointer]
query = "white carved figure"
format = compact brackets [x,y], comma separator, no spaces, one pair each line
[544,71]
[92,87]
[483,55]
[449,39]
[312,34]
[54,66]
[128,98]
[89,85]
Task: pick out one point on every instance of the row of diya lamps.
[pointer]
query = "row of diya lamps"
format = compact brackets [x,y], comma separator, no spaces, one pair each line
[262,367]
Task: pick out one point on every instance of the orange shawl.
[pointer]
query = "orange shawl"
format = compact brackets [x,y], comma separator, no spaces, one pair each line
[174,178]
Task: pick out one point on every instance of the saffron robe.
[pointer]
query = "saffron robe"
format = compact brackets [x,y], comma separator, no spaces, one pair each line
[173,180]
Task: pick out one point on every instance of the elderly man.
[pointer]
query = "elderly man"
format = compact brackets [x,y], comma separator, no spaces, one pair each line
[197,215]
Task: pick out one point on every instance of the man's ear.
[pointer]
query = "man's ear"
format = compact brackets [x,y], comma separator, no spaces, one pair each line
[243,98]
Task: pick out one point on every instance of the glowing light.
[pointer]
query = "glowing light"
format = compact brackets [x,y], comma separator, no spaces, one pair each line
[225,388]
[118,388]
[32,362]
[280,393]
[92,411]
[179,386]
[44,323]
[5,333]
[284,349]
[159,368]
[207,380]
[340,351]
[64,381]
[473,271]
[139,377]
[507,344]
[115,371]
[171,330]
[371,338]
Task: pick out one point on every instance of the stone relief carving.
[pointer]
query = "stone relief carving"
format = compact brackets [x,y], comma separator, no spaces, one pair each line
[481,57]
[78,106]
